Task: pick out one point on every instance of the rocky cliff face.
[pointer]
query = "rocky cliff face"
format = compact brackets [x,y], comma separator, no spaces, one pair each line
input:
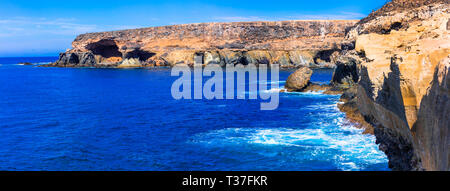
[401,59]
[288,43]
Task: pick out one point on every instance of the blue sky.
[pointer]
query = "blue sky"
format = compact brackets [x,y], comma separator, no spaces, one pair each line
[47,27]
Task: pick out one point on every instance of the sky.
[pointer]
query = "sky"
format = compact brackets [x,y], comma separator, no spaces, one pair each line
[47,27]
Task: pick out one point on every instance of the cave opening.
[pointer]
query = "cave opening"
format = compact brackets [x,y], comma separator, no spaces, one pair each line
[140,54]
[105,48]
[396,26]
[324,55]
[198,58]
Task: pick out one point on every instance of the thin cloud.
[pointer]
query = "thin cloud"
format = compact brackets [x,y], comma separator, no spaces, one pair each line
[239,19]
[23,26]
[30,26]
[34,35]
[339,16]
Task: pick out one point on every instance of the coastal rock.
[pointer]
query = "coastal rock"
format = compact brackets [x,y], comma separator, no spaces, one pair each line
[213,57]
[25,64]
[432,128]
[401,56]
[346,72]
[78,59]
[287,43]
[350,108]
[130,63]
[299,80]
[301,58]
[258,57]
[233,57]
[283,58]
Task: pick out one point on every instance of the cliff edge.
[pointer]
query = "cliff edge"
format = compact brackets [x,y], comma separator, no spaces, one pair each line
[288,43]
[399,71]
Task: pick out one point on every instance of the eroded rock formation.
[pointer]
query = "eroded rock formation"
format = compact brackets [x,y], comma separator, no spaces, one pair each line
[299,80]
[288,43]
[401,59]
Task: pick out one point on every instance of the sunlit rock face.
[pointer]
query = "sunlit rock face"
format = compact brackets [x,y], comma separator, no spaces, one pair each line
[299,80]
[403,64]
[288,43]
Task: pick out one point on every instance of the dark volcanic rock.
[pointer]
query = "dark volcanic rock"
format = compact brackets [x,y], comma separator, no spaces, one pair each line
[82,59]
[26,64]
[399,150]
[346,72]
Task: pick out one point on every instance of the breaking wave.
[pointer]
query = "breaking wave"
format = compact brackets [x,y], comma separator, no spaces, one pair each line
[325,138]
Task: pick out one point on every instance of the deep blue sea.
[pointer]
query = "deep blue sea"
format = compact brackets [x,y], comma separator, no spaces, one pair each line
[126,119]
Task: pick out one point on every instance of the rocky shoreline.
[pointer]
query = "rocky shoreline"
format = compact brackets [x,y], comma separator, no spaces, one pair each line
[395,83]
[397,80]
[392,68]
[289,44]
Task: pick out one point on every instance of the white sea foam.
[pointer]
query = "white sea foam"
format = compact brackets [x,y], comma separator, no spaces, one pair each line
[274,90]
[326,138]
[347,166]
[321,107]
[352,150]
[268,82]
[310,94]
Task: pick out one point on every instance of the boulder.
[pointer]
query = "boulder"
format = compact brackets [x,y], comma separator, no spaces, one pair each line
[299,80]
[130,63]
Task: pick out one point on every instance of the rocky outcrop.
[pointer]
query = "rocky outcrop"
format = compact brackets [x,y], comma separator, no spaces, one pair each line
[396,15]
[287,43]
[401,61]
[346,74]
[299,80]
[432,127]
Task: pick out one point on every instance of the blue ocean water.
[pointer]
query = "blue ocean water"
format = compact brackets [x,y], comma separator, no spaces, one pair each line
[126,119]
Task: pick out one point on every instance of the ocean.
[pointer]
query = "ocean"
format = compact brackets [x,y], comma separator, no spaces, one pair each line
[126,119]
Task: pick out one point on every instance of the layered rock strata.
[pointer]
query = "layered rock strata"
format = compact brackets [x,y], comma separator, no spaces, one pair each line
[287,43]
[399,72]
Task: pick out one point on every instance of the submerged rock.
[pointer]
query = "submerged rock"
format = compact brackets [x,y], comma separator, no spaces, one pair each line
[299,80]
[25,64]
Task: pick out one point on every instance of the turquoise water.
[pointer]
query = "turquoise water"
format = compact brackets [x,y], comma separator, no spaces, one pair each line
[126,119]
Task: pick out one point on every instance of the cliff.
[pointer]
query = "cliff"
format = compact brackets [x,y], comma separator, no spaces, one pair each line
[400,70]
[288,43]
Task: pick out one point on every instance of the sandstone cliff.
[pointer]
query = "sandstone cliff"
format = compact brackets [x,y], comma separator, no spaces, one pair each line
[401,67]
[288,43]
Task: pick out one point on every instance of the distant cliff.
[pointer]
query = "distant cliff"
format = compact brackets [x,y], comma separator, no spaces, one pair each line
[288,43]
[400,69]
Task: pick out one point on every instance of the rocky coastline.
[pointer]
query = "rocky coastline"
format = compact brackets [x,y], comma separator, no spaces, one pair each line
[395,83]
[290,44]
[396,80]
[391,67]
